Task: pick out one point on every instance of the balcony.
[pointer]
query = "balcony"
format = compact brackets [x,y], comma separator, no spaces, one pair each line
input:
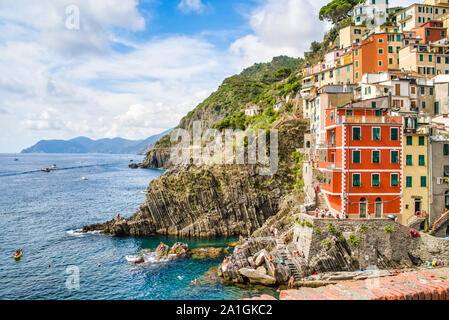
[368,119]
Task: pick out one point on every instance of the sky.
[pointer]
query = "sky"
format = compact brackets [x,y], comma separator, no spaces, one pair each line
[132,68]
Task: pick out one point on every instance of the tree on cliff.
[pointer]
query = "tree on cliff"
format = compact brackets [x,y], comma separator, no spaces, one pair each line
[337,10]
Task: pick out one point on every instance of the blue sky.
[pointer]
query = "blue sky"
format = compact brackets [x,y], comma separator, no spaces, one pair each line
[132,68]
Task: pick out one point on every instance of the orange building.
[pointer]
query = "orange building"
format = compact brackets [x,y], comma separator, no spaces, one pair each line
[430,31]
[377,53]
[362,161]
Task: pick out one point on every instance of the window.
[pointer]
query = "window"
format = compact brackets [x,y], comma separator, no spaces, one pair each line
[394,134]
[356,134]
[423,104]
[423,90]
[394,156]
[421,160]
[408,160]
[356,156]
[329,179]
[356,75]
[356,179]
[379,63]
[394,179]
[375,180]
[373,104]
[376,156]
[408,182]
[349,113]
[430,58]
[446,171]
[421,140]
[325,177]
[438,59]
[421,57]
[332,116]
[390,49]
[409,140]
[446,149]
[436,107]
[378,113]
[362,208]
[423,181]
[381,40]
[356,53]
[357,63]
[380,51]
[376,134]
[431,91]
[398,37]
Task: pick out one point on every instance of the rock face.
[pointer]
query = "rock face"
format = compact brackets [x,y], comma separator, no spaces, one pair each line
[216,200]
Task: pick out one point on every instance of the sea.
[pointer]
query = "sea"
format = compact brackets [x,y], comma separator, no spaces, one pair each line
[41,212]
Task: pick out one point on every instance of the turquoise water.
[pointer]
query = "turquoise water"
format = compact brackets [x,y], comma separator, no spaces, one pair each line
[39,211]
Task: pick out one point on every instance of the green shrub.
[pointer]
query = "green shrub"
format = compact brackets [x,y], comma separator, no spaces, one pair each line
[363,228]
[326,243]
[332,229]
[340,238]
[354,240]
[317,231]
[389,228]
[308,224]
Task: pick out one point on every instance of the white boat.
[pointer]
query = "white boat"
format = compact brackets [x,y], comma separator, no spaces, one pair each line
[84,178]
[53,166]
[45,170]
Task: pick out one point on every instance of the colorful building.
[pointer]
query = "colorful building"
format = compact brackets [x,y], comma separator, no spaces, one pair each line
[430,31]
[415,163]
[377,53]
[426,59]
[362,161]
[416,14]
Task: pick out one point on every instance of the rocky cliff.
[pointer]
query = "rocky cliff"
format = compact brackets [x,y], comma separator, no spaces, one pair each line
[214,200]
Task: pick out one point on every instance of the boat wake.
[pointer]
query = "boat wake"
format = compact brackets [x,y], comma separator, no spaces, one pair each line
[9,174]
[80,233]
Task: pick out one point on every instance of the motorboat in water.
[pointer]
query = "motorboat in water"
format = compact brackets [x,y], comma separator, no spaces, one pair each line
[45,170]
[84,178]
[53,166]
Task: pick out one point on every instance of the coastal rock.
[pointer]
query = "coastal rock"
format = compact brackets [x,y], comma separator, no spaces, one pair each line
[214,200]
[257,277]
[207,253]
[179,248]
[162,250]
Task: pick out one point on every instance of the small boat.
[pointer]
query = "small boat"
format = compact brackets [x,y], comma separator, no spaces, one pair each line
[84,178]
[53,166]
[45,170]
[16,159]
[17,256]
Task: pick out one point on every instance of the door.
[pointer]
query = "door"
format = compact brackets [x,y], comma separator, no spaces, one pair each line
[417,206]
[378,208]
[362,208]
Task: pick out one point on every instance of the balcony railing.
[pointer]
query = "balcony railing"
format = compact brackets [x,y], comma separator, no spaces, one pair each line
[368,119]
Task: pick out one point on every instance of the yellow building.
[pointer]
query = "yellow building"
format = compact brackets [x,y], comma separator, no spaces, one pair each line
[349,35]
[415,15]
[426,59]
[415,182]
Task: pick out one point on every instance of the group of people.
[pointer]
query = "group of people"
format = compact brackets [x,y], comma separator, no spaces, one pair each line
[274,232]
[299,255]
[327,214]
[228,263]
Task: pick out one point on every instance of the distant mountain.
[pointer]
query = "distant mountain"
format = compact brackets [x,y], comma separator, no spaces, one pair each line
[86,145]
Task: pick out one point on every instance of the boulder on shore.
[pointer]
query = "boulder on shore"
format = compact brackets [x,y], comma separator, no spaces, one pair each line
[258,276]
[162,250]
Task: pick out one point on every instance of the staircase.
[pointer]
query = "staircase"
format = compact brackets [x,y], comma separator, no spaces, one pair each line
[285,254]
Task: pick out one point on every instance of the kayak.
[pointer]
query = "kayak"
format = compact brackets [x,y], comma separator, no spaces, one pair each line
[18,256]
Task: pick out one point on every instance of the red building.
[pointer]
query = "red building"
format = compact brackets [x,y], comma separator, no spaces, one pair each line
[430,31]
[362,161]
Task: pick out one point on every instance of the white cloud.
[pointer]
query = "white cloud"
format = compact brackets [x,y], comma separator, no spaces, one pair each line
[280,27]
[191,5]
